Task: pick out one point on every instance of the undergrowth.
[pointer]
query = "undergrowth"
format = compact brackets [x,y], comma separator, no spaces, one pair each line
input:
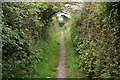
[47,67]
[71,59]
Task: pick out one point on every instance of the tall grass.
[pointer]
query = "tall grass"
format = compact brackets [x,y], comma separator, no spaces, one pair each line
[47,67]
[72,68]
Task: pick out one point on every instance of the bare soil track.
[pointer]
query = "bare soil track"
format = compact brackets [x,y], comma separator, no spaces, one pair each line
[62,59]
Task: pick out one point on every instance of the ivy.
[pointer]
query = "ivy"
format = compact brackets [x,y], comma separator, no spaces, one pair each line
[95,38]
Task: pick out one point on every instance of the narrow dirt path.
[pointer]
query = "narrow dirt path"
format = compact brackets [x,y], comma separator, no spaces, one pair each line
[62,59]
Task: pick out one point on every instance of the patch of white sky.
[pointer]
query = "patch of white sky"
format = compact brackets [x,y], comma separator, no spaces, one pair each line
[76,0]
[73,7]
[61,18]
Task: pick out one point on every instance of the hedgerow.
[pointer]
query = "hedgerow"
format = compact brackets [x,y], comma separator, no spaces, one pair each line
[95,34]
[24,24]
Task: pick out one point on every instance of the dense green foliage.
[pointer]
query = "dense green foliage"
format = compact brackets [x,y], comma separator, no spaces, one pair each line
[96,37]
[30,40]
[47,67]
[71,59]
[23,25]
